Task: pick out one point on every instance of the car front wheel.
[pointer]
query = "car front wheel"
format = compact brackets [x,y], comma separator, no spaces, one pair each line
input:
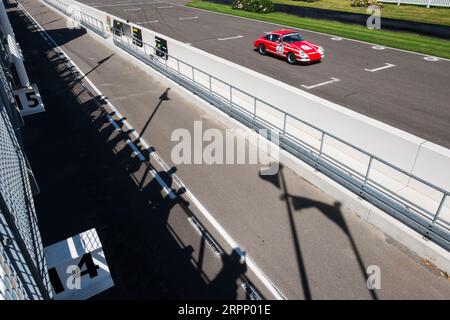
[262,49]
[291,59]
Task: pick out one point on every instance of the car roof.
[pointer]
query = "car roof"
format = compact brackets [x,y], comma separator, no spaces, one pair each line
[284,31]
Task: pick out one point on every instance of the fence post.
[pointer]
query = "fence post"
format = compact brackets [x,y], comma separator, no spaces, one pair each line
[321,144]
[210,85]
[368,171]
[441,204]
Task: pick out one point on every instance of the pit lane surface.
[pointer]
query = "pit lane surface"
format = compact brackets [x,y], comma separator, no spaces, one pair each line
[307,244]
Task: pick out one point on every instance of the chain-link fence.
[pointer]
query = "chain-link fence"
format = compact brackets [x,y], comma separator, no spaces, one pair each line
[23,273]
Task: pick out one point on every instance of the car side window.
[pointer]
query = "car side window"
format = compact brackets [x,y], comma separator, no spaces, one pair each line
[275,37]
[268,37]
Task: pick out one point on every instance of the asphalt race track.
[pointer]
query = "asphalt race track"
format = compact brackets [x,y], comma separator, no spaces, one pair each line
[308,245]
[413,95]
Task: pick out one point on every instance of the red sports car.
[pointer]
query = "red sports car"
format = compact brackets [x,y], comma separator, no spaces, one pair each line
[289,44]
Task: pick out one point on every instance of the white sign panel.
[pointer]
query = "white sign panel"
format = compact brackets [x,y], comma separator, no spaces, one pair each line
[77,267]
[29,100]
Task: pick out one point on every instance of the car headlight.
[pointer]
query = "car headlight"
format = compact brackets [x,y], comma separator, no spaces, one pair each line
[321,50]
[302,54]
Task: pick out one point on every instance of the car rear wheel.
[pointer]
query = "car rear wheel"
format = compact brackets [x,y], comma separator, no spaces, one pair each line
[262,49]
[291,59]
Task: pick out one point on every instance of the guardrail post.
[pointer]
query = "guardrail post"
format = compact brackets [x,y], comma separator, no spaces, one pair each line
[284,123]
[178,66]
[231,94]
[441,205]
[368,171]
[193,80]
[210,85]
[321,144]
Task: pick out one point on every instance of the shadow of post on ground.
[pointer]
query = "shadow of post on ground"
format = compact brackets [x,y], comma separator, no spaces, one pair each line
[332,212]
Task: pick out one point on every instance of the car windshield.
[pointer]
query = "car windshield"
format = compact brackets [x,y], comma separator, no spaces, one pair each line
[294,37]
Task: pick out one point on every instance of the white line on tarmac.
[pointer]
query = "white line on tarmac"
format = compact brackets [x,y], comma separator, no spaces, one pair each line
[431,58]
[164,7]
[251,265]
[146,22]
[133,9]
[378,47]
[387,65]
[321,84]
[188,18]
[229,38]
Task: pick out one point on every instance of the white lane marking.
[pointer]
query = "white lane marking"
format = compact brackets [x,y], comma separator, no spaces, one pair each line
[336,38]
[431,58]
[188,18]
[164,7]
[251,265]
[229,38]
[133,9]
[124,4]
[321,84]
[387,65]
[378,47]
[146,22]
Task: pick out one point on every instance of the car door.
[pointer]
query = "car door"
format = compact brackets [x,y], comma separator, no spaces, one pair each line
[278,47]
[270,42]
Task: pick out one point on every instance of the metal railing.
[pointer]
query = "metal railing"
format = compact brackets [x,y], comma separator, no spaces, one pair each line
[428,3]
[77,15]
[364,182]
[423,220]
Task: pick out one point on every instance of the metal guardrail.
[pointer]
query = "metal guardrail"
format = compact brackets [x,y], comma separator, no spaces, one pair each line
[428,3]
[426,222]
[83,19]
